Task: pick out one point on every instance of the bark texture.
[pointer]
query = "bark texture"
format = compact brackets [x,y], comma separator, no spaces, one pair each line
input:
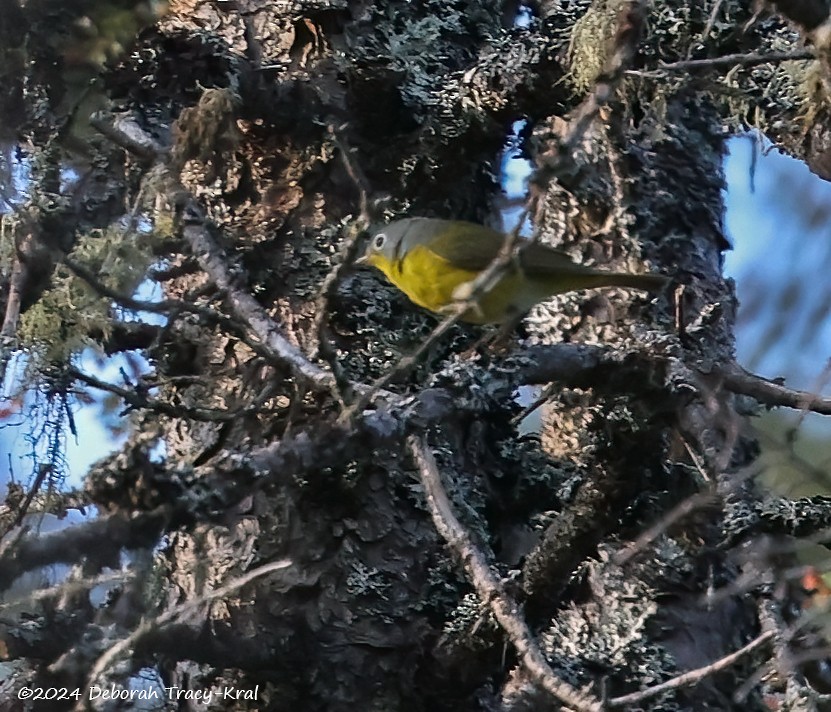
[238,142]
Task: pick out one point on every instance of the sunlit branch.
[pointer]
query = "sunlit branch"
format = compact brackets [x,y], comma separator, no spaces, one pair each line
[211,258]
[13,300]
[490,590]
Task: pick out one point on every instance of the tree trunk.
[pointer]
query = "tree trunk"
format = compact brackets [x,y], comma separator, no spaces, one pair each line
[257,137]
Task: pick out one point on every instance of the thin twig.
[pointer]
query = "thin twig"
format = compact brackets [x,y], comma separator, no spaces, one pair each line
[348,255]
[681,510]
[355,173]
[711,23]
[175,613]
[44,470]
[738,380]
[163,306]
[171,307]
[134,398]
[490,590]
[693,677]
[696,460]
[403,366]
[819,384]
[547,393]
[743,59]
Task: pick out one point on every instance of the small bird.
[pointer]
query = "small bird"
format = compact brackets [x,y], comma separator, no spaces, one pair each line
[432,260]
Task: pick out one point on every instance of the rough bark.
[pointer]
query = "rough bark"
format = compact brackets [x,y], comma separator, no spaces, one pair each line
[250,133]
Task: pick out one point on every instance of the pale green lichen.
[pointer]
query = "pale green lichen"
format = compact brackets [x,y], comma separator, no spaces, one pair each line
[7,250]
[589,45]
[63,319]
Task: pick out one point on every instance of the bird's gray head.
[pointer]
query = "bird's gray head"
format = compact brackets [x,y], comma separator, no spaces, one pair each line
[391,242]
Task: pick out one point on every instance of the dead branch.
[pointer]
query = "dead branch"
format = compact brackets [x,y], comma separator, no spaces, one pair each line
[693,677]
[236,475]
[219,267]
[348,254]
[101,539]
[746,59]
[174,614]
[768,392]
[138,398]
[222,272]
[489,588]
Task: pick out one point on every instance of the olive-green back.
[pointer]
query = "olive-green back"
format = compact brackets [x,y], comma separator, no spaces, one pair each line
[473,247]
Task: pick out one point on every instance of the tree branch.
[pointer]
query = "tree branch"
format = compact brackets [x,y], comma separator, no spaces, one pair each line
[489,588]
[746,59]
[126,133]
[176,613]
[211,258]
[213,489]
[768,392]
[135,399]
[219,268]
[171,307]
[693,677]
[348,255]
[101,539]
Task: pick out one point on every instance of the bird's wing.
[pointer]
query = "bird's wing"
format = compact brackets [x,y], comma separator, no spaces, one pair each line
[472,247]
[467,246]
[538,260]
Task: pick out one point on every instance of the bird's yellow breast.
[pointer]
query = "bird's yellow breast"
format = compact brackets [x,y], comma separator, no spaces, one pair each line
[426,278]
[431,282]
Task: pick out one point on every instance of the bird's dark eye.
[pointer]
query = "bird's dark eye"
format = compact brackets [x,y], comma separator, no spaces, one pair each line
[379,240]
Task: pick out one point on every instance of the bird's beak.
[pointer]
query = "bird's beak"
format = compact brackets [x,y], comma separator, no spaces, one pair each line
[362,261]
